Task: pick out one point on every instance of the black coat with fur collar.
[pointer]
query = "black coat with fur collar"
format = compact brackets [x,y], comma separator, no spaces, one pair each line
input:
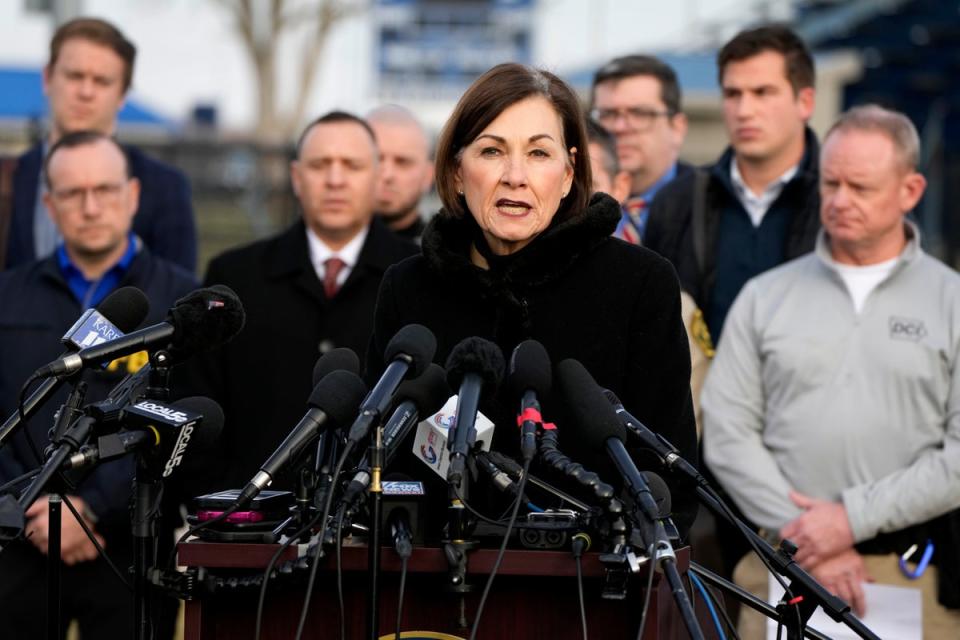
[583,294]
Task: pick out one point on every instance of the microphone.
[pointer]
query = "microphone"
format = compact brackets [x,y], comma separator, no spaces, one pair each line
[667,453]
[120,312]
[400,532]
[200,320]
[421,396]
[163,432]
[409,352]
[334,360]
[529,377]
[501,480]
[475,366]
[600,427]
[334,399]
[661,495]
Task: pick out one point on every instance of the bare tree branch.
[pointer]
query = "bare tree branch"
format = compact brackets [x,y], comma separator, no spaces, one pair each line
[262,40]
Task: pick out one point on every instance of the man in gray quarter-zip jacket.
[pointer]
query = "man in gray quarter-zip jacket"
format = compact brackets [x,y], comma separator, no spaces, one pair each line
[832,409]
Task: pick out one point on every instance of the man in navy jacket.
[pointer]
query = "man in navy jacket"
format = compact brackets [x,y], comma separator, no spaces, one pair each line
[86,82]
[92,197]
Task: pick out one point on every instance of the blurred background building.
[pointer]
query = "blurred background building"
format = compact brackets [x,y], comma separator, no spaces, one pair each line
[222,87]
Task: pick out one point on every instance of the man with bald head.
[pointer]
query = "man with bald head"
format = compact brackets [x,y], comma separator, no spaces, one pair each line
[406,169]
[91,198]
[837,379]
[306,291]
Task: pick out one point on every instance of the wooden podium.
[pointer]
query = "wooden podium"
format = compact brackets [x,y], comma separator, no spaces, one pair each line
[533,596]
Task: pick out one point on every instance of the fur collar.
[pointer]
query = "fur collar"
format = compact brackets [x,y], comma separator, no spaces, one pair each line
[446,247]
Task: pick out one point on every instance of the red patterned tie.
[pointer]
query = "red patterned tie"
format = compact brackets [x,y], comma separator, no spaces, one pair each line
[331,269]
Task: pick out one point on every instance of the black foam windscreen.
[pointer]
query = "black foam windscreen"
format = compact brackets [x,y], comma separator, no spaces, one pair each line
[339,394]
[612,398]
[660,492]
[334,360]
[209,430]
[596,420]
[428,392]
[416,341]
[204,319]
[479,356]
[529,369]
[126,308]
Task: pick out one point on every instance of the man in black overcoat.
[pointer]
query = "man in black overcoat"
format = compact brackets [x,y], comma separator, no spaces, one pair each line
[306,291]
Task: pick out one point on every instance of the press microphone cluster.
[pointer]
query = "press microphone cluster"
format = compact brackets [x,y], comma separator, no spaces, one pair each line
[199,321]
[334,400]
[600,427]
[119,313]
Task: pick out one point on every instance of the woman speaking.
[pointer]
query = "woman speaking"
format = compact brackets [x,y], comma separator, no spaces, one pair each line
[520,250]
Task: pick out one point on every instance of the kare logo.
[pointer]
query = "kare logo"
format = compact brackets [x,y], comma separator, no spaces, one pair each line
[907,329]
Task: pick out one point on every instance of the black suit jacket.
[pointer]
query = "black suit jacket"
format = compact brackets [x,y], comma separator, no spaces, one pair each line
[264,376]
[164,220]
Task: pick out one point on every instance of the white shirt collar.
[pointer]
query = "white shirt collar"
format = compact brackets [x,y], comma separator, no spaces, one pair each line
[758,205]
[350,253]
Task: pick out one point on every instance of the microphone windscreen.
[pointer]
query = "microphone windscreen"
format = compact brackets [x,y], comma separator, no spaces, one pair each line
[416,341]
[595,418]
[479,356]
[612,397]
[334,360]
[529,369]
[428,392]
[204,319]
[126,308]
[338,395]
[207,434]
[660,492]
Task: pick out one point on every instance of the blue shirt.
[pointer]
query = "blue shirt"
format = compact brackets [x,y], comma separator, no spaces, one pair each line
[639,224]
[89,293]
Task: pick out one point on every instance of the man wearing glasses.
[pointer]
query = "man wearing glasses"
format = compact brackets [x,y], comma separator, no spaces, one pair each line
[91,198]
[637,99]
[86,81]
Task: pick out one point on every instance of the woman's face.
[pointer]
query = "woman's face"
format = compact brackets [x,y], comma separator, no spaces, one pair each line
[514,174]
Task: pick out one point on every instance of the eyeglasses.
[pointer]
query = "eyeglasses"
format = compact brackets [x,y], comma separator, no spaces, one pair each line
[106,194]
[637,117]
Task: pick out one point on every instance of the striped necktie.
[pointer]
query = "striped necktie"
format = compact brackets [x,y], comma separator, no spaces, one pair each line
[629,231]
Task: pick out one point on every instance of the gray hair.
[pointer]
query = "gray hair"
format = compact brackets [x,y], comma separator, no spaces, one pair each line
[893,124]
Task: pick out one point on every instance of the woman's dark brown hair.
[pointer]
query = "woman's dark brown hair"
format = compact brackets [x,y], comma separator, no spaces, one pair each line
[503,86]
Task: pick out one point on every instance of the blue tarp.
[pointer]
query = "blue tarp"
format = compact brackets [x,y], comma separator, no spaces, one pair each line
[21,97]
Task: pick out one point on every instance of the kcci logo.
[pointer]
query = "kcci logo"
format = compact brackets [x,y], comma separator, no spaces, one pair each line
[907,329]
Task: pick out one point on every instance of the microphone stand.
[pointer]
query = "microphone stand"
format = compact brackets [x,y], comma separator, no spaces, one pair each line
[747,598]
[72,439]
[30,406]
[375,503]
[652,531]
[145,514]
[67,414]
[808,593]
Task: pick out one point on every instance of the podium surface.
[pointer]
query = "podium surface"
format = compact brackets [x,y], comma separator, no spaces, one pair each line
[533,596]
